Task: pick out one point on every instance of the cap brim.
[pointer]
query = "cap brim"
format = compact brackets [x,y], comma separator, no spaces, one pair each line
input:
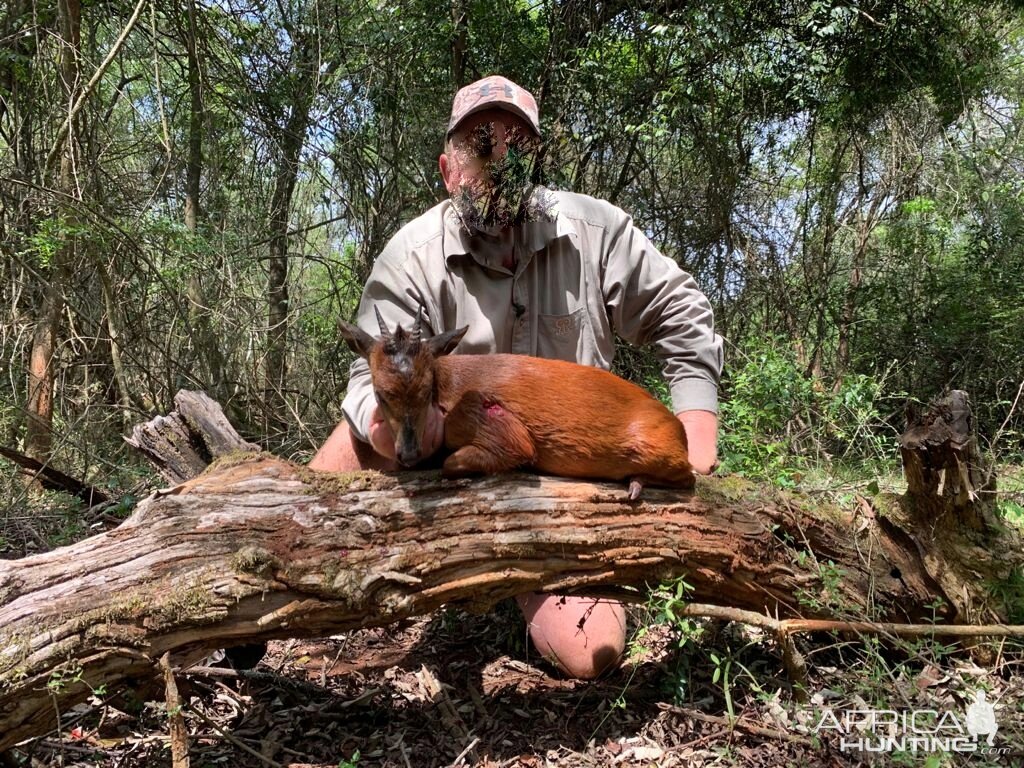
[514,109]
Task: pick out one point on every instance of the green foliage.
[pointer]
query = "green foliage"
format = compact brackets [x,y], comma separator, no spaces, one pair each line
[642,367]
[842,179]
[665,604]
[1009,593]
[826,596]
[664,607]
[775,418]
[1011,511]
[52,234]
[702,647]
[124,506]
[944,302]
[62,677]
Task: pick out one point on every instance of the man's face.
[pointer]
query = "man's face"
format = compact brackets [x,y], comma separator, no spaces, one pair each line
[488,167]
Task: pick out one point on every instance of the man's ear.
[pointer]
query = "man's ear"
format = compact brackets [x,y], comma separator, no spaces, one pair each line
[358,340]
[444,343]
[444,164]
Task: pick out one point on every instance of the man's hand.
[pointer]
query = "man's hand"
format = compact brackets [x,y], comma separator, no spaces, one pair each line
[383,439]
[702,439]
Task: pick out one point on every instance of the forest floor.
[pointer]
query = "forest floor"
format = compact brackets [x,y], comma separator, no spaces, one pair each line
[460,689]
[453,688]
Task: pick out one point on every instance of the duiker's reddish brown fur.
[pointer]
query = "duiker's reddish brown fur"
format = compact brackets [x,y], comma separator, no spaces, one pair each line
[509,411]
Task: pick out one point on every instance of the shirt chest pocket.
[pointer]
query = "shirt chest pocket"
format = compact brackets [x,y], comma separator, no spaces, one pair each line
[565,337]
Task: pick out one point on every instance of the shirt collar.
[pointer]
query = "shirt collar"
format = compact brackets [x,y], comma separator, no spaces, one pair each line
[533,235]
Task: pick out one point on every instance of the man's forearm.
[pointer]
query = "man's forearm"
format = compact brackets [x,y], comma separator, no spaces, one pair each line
[702,439]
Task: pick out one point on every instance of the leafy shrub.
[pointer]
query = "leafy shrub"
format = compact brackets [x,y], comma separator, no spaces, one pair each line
[776,420]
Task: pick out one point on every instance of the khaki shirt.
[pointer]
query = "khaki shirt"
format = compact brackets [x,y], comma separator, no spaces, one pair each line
[576,281]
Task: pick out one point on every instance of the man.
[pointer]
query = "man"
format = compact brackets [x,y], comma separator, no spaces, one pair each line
[533,272]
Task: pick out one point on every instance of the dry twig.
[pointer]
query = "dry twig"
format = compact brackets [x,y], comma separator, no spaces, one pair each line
[176,723]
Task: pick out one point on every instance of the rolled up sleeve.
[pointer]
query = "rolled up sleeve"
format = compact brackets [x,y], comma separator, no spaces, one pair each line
[359,401]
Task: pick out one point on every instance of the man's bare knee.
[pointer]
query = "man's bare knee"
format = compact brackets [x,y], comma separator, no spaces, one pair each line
[583,637]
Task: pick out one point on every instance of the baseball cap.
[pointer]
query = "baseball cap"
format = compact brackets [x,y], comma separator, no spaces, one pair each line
[494,91]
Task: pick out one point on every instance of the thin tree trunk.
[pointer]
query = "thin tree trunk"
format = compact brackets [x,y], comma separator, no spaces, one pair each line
[41,377]
[113,313]
[39,411]
[19,110]
[205,347]
[193,167]
[290,142]
[460,23]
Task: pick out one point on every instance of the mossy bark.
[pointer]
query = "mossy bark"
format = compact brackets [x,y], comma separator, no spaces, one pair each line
[258,548]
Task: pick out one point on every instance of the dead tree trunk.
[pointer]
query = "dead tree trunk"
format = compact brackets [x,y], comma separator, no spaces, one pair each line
[946,476]
[258,548]
[949,507]
[182,444]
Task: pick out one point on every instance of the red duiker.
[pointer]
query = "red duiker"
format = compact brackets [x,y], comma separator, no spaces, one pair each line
[507,411]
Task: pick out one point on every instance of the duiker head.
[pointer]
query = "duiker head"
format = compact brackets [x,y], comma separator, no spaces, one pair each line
[402,370]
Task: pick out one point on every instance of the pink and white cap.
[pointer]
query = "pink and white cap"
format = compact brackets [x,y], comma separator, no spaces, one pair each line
[494,91]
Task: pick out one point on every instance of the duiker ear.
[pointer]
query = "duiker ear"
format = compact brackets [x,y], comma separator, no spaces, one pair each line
[444,343]
[358,340]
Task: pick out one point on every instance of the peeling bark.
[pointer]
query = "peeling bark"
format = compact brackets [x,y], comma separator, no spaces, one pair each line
[182,444]
[258,548]
[39,408]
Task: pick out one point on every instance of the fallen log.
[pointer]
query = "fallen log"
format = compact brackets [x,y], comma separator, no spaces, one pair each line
[258,548]
[53,479]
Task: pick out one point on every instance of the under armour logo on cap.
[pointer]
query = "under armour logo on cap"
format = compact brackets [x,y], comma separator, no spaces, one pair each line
[494,91]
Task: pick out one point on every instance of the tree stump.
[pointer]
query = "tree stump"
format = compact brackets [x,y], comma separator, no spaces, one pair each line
[949,507]
[182,444]
[946,475]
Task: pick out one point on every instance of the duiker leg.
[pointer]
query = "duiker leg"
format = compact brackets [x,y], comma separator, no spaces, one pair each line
[487,439]
[476,460]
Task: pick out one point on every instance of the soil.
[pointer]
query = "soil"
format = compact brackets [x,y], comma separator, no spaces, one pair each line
[460,689]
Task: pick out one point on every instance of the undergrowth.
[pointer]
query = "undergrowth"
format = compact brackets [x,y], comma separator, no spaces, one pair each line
[778,424]
[737,670]
[34,519]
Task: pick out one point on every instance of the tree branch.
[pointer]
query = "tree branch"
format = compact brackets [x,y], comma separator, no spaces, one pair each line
[65,125]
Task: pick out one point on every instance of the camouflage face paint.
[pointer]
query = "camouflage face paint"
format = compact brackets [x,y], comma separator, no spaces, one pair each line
[501,194]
